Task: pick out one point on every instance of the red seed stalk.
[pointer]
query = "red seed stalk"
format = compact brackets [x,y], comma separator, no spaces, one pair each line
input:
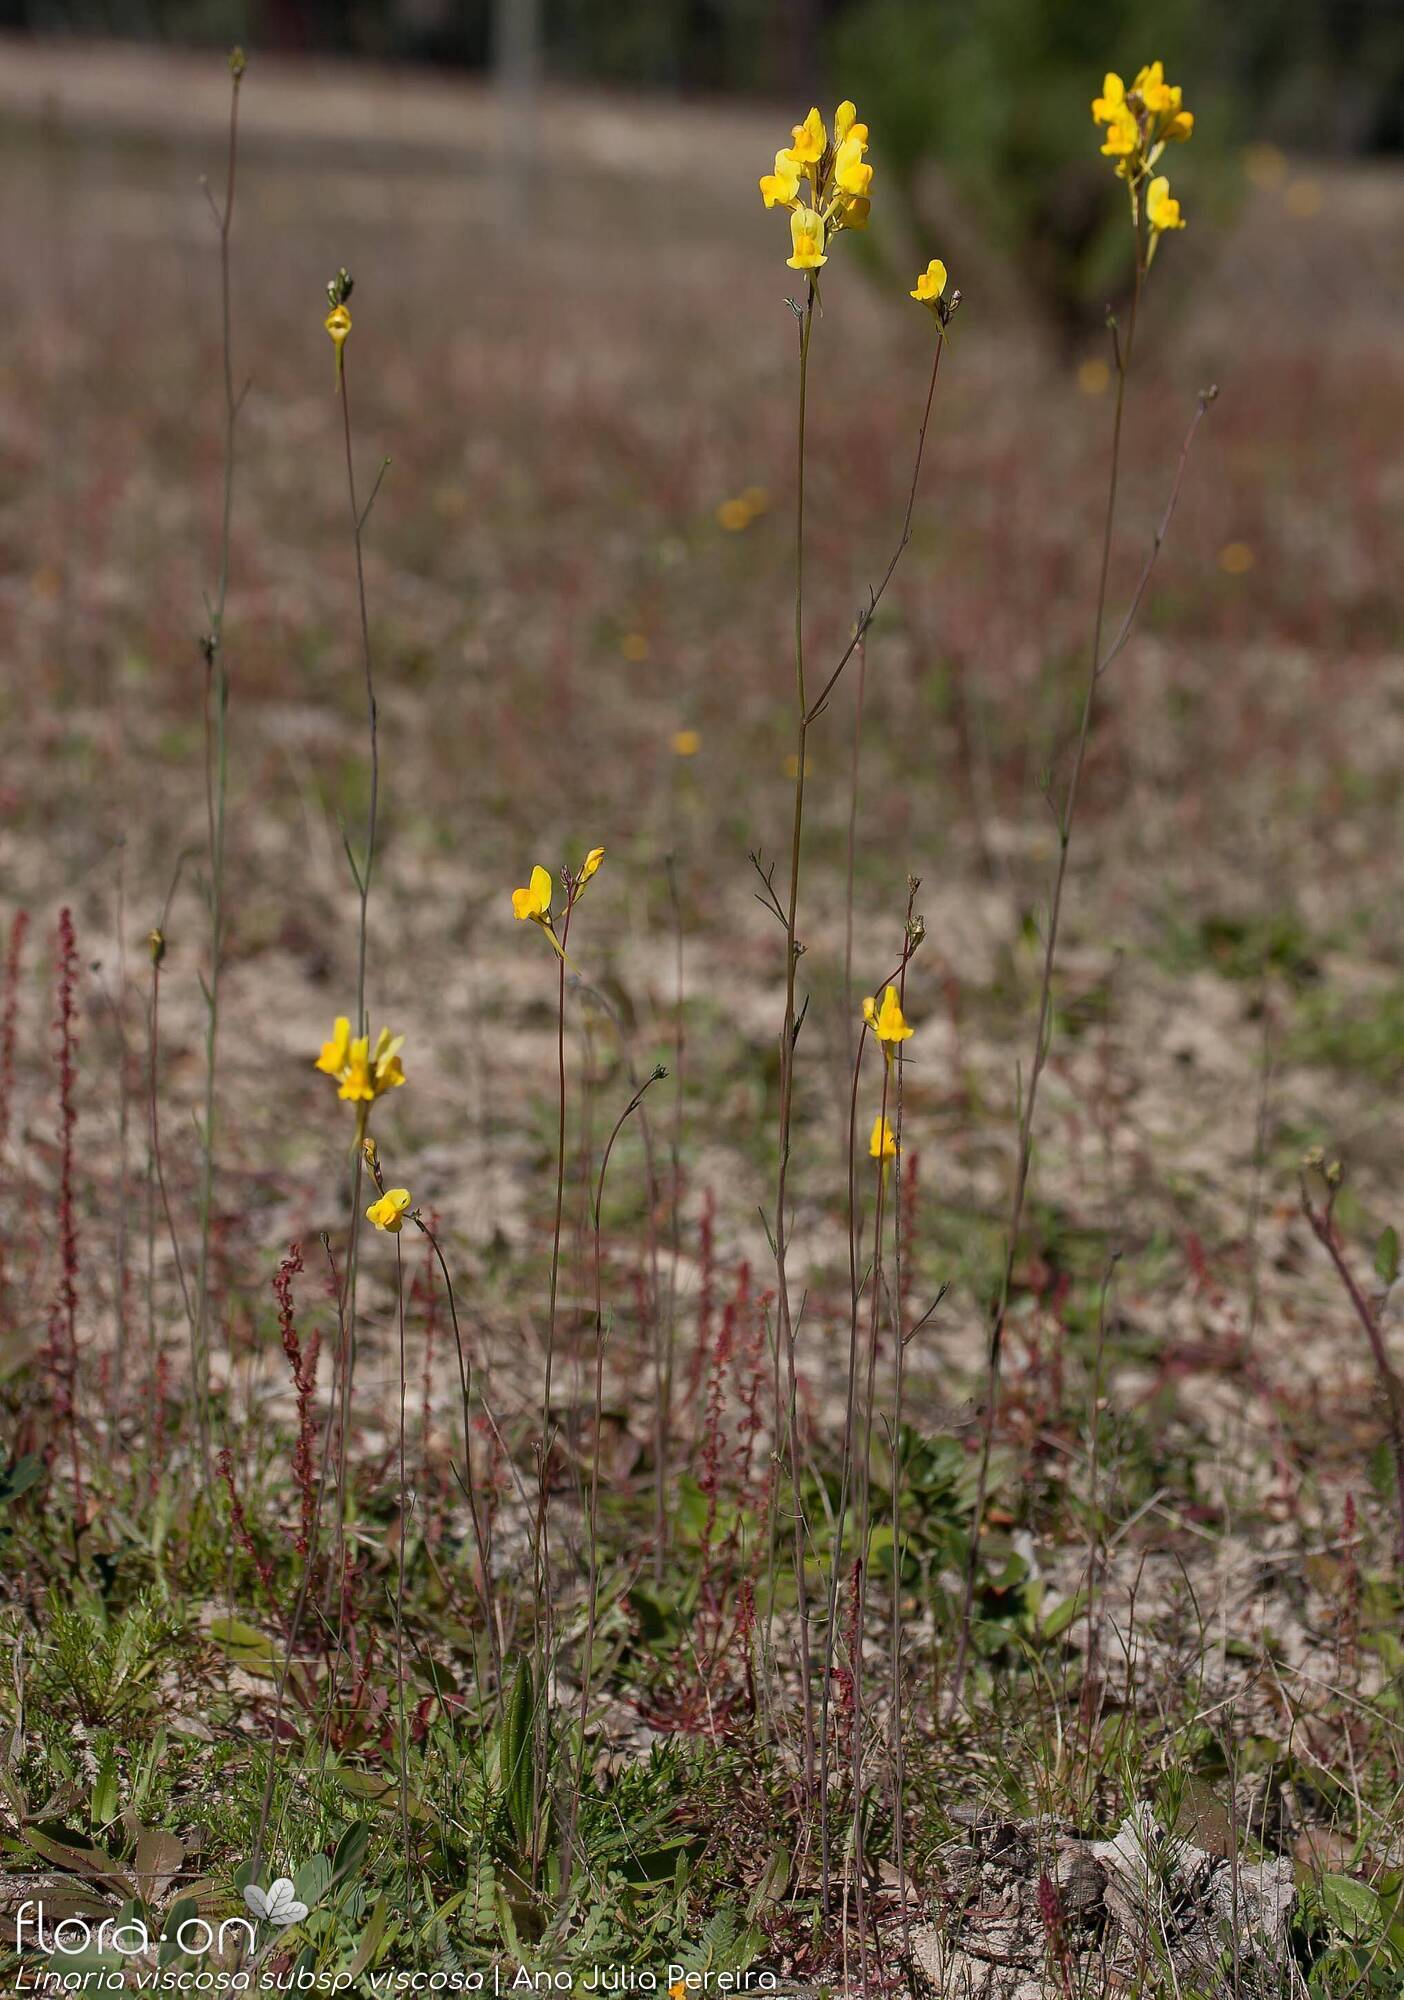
[304,1373]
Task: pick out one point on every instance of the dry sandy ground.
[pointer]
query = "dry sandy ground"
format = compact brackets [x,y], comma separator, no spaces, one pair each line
[569,380]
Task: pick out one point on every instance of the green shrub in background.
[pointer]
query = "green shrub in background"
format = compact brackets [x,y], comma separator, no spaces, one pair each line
[998,92]
[1004,88]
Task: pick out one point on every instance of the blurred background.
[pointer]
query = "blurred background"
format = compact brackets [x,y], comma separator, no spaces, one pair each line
[573,345]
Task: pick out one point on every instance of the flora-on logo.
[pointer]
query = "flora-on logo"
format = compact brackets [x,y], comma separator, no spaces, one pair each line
[278,1905]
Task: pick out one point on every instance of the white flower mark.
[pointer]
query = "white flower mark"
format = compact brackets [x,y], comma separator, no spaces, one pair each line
[278,1906]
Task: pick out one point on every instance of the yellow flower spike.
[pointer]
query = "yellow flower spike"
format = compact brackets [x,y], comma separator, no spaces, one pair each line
[807,237]
[1112,100]
[332,1060]
[781,189]
[390,1211]
[930,284]
[338,325]
[882,1145]
[809,140]
[1162,209]
[534,902]
[591,865]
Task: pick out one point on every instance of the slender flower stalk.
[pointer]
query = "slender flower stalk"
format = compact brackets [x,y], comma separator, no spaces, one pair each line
[1140,123]
[356,1089]
[532,904]
[850,182]
[216,716]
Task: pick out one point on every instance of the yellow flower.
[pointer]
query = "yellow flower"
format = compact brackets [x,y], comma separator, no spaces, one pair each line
[1112,100]
[809,140]
[1236,558]
[338,325]
[1123,136]
[686,743]
[534,902]
[734,515]
[368,1074]
[930,283]
[1162,209]
[781,189]
[851,175]
[887,1022]
[390,1211]
[363,1074]
[591,864]
[845,118]
[807,236]
[882,1145]
[334,1054]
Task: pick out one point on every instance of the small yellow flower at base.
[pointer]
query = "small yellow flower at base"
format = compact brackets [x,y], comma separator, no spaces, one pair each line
[930,284]
[807,237]
[335,1053]
[781,189]
[685,743]
[882,1145]
[1236,559]
[390,1211]
[887,1022]
[734,515]
[1162,209]
[533,902]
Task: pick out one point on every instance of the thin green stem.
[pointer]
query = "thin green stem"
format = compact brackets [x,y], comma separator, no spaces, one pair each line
[1042,1030]
[216,711]
[785,1330]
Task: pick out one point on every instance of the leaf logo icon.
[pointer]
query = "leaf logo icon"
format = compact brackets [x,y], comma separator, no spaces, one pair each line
[278,1906]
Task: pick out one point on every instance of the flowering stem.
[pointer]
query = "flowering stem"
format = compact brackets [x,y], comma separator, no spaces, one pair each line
[400,1563]
[541,1538]
[1042,1034]
[366,868]
[789,1030]
[869,612]
[216,794]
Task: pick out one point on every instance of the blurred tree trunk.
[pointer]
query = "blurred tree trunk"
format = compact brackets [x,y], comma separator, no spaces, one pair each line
[516,57]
